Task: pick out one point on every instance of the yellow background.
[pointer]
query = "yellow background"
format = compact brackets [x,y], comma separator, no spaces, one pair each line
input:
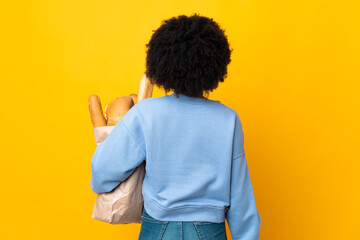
[293,79]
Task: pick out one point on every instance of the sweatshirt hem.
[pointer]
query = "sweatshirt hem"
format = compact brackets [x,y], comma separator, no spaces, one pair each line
[184,213]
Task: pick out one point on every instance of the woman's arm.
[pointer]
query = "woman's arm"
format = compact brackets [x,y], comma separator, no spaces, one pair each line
[118,155]
[242,216]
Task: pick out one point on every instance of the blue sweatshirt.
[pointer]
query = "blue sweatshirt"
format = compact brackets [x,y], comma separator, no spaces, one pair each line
[195,162]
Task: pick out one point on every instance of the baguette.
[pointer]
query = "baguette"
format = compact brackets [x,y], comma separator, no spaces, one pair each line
[96,113]
[145,88]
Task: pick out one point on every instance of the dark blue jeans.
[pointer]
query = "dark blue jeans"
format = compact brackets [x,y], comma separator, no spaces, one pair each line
[153,229]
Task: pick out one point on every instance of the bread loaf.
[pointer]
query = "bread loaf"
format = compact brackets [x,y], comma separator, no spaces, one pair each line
[117,109]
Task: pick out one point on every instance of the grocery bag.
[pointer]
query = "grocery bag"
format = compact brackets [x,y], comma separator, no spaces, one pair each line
[125,203]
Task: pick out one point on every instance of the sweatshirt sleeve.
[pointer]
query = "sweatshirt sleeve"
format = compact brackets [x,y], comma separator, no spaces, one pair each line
[118,155]
[242,216]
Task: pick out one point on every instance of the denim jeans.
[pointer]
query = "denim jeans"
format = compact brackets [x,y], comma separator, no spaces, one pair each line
[153,229]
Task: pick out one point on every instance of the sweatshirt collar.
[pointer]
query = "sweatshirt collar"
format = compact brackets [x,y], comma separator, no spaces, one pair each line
[188,99]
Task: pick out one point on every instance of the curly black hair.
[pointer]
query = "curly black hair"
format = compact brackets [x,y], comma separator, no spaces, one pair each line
[188,55]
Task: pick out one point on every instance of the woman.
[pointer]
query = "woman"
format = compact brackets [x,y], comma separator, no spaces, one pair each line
[196,170]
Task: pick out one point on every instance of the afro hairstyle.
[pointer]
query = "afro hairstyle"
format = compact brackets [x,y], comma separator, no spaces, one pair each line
[188,54]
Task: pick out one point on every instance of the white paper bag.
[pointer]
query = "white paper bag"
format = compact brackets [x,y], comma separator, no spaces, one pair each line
[125,203]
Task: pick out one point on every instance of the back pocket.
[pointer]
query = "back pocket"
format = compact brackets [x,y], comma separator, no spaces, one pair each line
[151,229]
[210,230]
